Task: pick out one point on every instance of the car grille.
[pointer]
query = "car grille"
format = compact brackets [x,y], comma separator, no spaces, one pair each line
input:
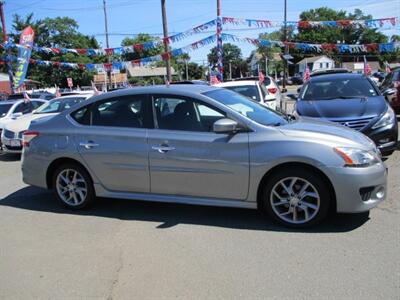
[9,134]
[356,124]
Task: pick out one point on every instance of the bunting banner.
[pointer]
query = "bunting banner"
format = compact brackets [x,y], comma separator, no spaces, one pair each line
[304,47]
[371,23]
[24,54]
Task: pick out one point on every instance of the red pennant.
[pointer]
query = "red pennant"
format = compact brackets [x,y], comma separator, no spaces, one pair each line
[108,66]
[343,23]
[56,50]
[372,47]
[303,24]
[166,56]
[81,51]
[138,47]
[109,51]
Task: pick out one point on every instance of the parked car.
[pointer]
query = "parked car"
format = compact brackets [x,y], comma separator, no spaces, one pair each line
[391,87]
[204,146]
[297,79]
[353,101]
[253,90]
[13,109]
[11,136]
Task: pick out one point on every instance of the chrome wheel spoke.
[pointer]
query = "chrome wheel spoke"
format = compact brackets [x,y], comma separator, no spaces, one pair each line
[71,187]
[295,200]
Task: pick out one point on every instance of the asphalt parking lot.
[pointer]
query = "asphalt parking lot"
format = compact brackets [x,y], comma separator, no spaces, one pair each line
[135,250]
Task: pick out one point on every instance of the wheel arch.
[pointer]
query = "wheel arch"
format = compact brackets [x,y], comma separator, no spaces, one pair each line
[58,162]
[309,167]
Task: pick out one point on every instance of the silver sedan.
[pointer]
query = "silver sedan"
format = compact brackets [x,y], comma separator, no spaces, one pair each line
[202,145]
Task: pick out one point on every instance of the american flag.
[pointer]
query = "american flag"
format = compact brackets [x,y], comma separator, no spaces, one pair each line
[387,67]
[58,94]
[26,97]
[261,77]
[306,74]
[214,80]
[96,91]
[367,67]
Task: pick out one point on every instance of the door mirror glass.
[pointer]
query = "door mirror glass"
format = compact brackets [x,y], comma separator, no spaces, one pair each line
[225,125]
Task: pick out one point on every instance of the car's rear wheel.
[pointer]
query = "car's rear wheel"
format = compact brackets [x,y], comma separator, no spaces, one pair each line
[296,197]
[73,186]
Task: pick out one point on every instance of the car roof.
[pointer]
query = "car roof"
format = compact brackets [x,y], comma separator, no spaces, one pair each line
[334,76]
[9,101]
[159,89]
[237,83]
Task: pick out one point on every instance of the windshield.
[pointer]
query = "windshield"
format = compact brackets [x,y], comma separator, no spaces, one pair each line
[249,91]
[344,88]
[4,108]
[252,110]
[58,105]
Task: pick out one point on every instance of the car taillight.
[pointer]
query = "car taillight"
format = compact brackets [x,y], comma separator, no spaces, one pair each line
[272,90]
[28,136]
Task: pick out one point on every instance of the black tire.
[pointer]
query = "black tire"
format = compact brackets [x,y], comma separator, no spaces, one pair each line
[90,195]
[312,177]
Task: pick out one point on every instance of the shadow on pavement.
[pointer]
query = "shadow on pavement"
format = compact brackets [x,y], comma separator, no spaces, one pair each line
[9,157]
[169,215]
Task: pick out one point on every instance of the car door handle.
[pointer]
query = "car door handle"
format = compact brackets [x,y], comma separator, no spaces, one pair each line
[88,145]
[162,149]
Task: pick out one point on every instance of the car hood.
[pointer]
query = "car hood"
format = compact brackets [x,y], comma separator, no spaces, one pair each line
[342,108]
[310,128]
[23,122]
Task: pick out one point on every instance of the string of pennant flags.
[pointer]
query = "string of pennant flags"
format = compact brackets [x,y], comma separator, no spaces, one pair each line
[304,47]
[371,23]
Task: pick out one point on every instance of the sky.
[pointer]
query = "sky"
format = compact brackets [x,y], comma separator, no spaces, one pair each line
[130,17]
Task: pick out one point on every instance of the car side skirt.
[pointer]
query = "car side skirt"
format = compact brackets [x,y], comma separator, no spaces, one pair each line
[101,192]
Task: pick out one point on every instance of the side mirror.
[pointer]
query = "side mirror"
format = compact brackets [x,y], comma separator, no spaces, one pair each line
[16,115]
[298,89]
[225,125]
[292,96]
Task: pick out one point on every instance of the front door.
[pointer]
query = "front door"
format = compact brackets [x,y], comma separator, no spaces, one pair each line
[187,158]
[114,142]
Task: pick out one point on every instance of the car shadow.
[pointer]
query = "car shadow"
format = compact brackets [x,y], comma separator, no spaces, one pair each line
[170,215]
[9,156]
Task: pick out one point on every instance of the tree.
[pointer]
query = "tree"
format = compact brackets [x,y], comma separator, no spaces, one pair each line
[140,39]
[60,32]
[233,56]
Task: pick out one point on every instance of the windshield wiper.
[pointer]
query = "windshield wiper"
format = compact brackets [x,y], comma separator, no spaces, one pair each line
[345,97]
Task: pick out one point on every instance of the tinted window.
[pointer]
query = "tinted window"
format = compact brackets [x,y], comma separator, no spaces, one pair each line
[252,110]
[4,108]
[126,111]
[24,107]
[338,88]
[176,113]
[37,104]
[249,91]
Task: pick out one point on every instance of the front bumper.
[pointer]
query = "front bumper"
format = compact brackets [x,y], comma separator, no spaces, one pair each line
[358,189]
[385,138]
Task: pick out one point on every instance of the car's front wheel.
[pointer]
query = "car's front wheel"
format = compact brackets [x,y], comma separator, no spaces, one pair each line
[73,186]
[296,197]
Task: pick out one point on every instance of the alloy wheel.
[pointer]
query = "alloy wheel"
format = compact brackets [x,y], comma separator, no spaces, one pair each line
[71,187]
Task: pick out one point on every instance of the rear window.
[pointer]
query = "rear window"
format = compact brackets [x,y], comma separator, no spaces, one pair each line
[249,91]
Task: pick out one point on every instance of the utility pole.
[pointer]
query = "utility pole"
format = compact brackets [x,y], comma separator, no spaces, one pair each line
[286,48]
[5,36]
[107,42]
[187,69]
[230,70]
[166,46]
[220,54]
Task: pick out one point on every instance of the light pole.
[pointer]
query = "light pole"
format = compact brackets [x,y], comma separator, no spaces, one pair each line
[285,37]
[220,60]
[107,42]
[166,47]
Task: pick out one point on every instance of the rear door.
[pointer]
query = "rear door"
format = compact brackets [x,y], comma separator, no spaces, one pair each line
[113,141]
[187,158]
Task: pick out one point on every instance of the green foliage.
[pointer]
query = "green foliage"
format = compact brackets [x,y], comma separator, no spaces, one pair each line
[232,55]
[60,32]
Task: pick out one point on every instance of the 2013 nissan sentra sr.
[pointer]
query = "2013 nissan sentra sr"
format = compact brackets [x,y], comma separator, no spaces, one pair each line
[202,145]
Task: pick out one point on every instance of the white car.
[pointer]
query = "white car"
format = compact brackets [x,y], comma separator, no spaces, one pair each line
[11,110]
[252,89]
[273,89]
[11,136]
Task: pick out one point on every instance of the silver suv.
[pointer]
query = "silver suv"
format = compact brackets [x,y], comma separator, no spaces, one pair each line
[202,145]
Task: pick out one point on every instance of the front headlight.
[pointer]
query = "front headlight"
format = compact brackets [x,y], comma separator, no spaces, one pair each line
[387,119]
[357,158]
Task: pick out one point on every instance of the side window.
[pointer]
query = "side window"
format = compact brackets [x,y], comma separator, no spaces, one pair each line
[175,113]
[24,107]
[126,111]
[36,104]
